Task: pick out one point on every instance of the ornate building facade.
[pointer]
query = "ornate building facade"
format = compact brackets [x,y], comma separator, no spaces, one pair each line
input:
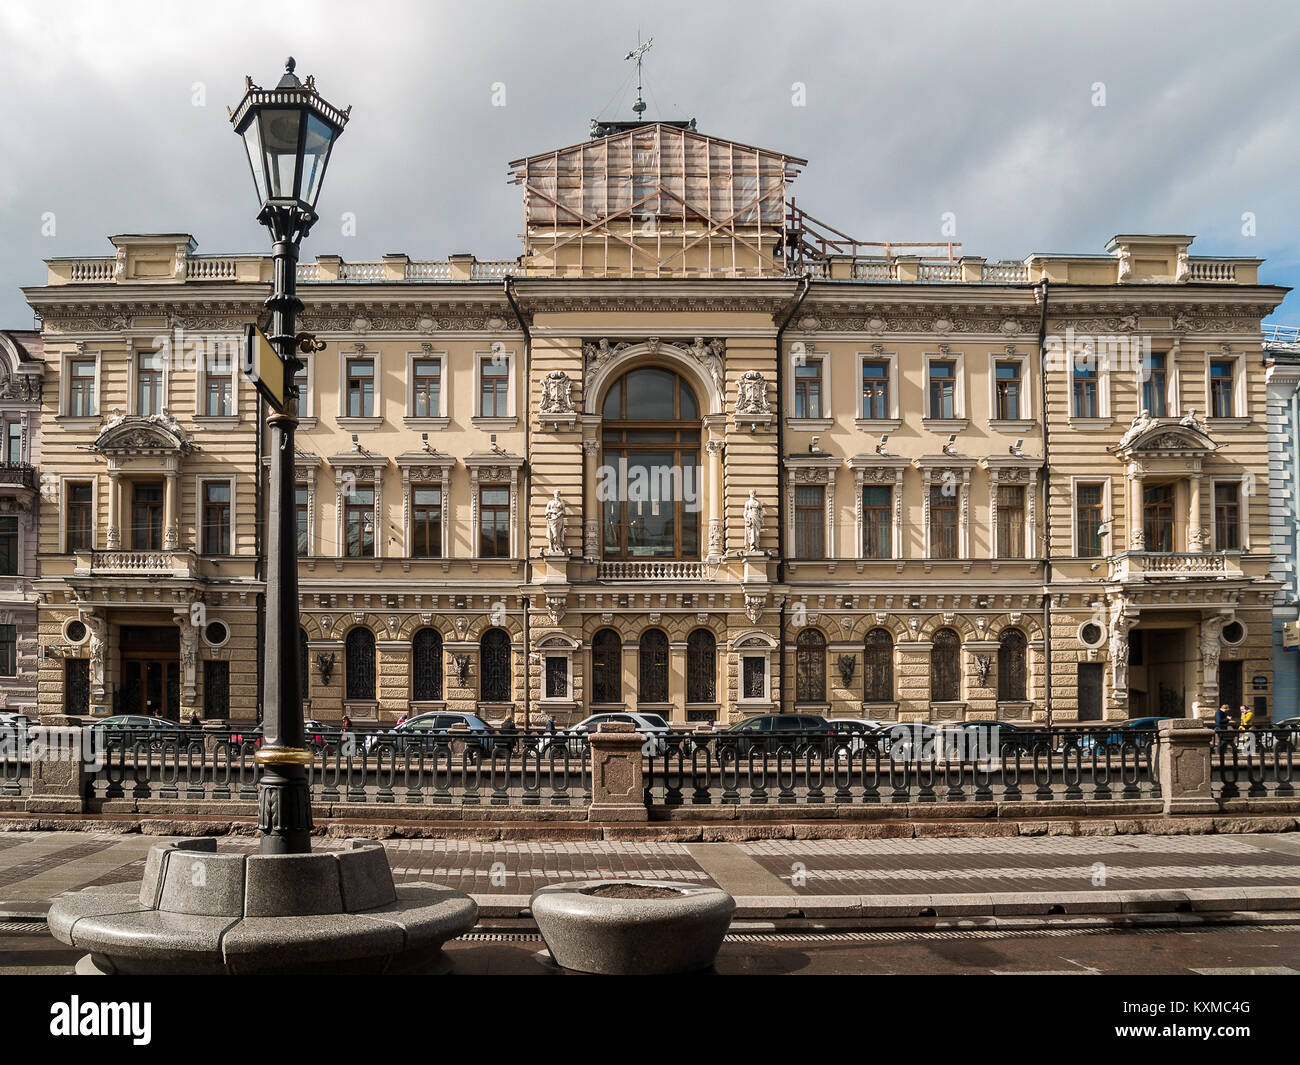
[686,455]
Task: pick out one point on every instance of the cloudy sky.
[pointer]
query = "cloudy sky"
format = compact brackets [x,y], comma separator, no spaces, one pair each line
[116,118]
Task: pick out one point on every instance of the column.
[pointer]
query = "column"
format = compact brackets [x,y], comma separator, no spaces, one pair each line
[171,512]
[114,539]
[717,537]
[1136,536]
[1195,531]
[591,533]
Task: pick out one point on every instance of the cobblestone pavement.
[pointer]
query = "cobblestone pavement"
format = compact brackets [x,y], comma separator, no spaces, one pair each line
[37,867]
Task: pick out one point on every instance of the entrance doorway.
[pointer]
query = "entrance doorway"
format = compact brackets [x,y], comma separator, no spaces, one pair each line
[1230,685]
[1161,660]
[150,659]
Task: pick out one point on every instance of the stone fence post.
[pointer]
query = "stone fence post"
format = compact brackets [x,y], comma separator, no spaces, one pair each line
[59,770]
[617,791]
[1183,764]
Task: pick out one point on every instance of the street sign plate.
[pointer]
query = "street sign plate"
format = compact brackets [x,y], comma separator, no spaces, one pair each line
[264,367]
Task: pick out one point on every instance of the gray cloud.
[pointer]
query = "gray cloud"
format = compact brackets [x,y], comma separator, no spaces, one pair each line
[981,109]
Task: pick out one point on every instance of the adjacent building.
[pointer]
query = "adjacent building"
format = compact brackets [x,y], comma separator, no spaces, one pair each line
[692,453]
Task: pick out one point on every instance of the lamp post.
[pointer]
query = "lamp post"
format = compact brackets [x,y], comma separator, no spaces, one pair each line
[288,132]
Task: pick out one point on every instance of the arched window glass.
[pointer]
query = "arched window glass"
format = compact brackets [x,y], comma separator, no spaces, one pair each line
[652,667]
[878,674]
[426,665]
[1012,675]
[651,435]
[606,667]
[810,667]
[945,667]
[359,665]
[701,667]
[494,667]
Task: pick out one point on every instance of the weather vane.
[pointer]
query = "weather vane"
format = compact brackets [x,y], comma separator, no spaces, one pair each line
[637,53]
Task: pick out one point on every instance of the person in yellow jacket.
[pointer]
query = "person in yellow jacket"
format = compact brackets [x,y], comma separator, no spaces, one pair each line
[1247,719]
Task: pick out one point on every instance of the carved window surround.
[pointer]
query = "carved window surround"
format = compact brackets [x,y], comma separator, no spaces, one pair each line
[933,470]
[357,469]
[806,470]
[869,469]
[1014,470]
[421,468]
[494,469]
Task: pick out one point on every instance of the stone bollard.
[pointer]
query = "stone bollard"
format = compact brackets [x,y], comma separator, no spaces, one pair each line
[1183,764]
[59,769]
[617,791]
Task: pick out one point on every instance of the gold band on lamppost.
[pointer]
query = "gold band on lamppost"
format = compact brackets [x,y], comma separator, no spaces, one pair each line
[284,756]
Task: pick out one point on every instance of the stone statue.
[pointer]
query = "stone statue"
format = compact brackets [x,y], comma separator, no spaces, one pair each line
[1119,651]
[751,393]
[1125,264]
[555,511]
[557,393]
[1184,270]
[709,355]
[1210,630]
[98,646]
[753,521]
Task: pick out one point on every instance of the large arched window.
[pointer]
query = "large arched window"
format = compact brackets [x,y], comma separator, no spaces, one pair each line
[426,665]
[810,667]
[945,667]
[494,666]
[1012,675]
[650,487]
[606,667]
[652,667]
[701,667]
[359,665]
[304,663]
[878,671]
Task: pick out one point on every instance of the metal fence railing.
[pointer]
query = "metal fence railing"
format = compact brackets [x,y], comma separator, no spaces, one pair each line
[1254,764]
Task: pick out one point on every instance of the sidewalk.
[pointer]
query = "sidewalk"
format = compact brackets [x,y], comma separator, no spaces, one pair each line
[913,879]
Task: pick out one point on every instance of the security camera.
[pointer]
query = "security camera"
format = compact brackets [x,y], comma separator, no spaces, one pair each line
[880,447]
[814,447]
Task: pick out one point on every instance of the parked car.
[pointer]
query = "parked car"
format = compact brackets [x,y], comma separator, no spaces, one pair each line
[653,727]
[993,739]
[854,735]
[424,730]
[802,733]
[1137,734]
[14,725]
[156,731]
[907,742]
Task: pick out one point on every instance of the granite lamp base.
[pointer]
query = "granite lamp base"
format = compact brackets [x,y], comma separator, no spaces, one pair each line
[200,911]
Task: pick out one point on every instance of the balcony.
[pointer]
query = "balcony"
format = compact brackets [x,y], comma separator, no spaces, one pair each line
[1180,565]
[651,570]
[151,565]
[18,475]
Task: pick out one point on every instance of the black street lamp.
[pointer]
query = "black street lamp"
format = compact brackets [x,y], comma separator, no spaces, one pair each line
[288,132]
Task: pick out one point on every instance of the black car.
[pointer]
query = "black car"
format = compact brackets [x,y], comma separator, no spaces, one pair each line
[993,739]
[798,733]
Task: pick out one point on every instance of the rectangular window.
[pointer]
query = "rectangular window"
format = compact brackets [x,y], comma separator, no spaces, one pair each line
[361,388]
[875,389]
[753,677]
[1155,386]
[1011,521]
[8,650]
[1158,517]
[216,517]
[81,388]
[808,389]
[494,387]
[1087,520]
[146,517]
[9,546]
[1085,404]
[809,522]
[300,504]
[1007,383]
[1090,677]
[426,522]
[148,384]
[877,521]
[79,534]
[218,387]
[1227,517]
[943,390]
[301,381]
[216,689]
[494,522]
[943,522]
[557,677]
[14,443]
[1221,388]
[427,388]
[359,522]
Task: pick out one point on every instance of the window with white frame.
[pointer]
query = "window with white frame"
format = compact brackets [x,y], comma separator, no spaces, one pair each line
[945,388]
[148,391]
[304,380]
[360,392]
[878,389]
[1154,378]
[1229,511]
[217,393]
[494,388]
[216,515]
[427,389]
[1011,397]
[556,655]
[81,386]
[1090,516]
[1225,386]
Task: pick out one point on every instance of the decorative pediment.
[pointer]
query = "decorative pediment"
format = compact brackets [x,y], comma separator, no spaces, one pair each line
[1147,435]
[155,434]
